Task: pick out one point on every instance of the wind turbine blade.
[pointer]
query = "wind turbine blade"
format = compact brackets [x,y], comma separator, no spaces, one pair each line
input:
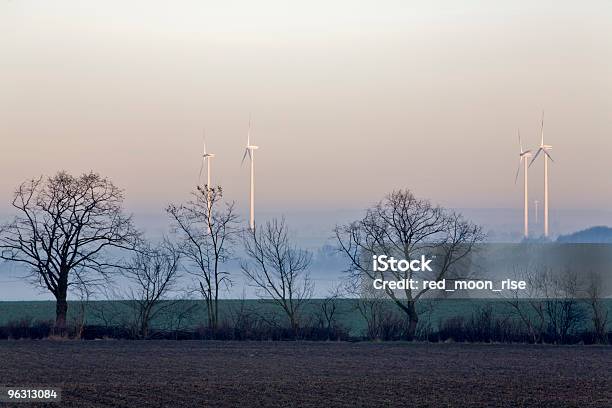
[551,159]
[201,169]
[535,157]
[520,143]
[518,170]
[249,132]
[246,151]
[542,143]
[204,139]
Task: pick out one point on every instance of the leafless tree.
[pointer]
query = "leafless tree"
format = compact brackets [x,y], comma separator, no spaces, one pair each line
[561,293]
[528,304]
[153,274]
[278,269]
[599,311]
[330,309]
[406,227]
[64,232]
[550,306]
[207,228]
[371,306]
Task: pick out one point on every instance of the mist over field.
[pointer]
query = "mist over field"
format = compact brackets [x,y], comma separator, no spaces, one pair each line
[312,229]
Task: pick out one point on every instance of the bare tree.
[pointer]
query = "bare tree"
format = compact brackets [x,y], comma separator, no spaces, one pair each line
[407,228]
[207,228]
[550,306]
[278,269]
[528,304]
[64,231]
[560,293]
[599,311]
[329,311]
[153,273]
[371,306]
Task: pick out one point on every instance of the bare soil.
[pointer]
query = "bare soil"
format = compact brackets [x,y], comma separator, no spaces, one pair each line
[262,374]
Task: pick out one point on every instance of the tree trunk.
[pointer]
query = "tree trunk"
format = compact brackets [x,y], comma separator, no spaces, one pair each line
[144,331]
[215,315]
[294,327]
[413,320]
[61,304]
[61,310]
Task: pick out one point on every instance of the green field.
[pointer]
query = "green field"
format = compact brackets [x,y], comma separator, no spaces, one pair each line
[117,312]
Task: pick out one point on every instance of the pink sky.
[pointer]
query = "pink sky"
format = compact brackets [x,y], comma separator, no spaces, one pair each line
[349,100]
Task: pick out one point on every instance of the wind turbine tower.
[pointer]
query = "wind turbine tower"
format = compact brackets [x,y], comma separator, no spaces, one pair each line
[545,149]
[250,151]
[524,156]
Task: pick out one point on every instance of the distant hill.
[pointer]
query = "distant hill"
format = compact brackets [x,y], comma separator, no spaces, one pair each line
[593,235]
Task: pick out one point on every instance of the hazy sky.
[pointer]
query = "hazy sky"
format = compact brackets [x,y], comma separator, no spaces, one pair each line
[349,99]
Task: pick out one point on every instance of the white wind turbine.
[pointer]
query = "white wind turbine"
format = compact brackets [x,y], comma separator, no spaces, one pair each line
[206,157]
[524,156]
[250,151]
[544,148]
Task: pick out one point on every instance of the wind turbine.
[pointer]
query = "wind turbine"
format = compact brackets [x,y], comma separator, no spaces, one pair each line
[524,156]
[544,148]
[250,151]
[206,157]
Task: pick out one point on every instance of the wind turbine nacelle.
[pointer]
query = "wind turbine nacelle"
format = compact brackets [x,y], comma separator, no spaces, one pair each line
[547,147]
[252,147]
